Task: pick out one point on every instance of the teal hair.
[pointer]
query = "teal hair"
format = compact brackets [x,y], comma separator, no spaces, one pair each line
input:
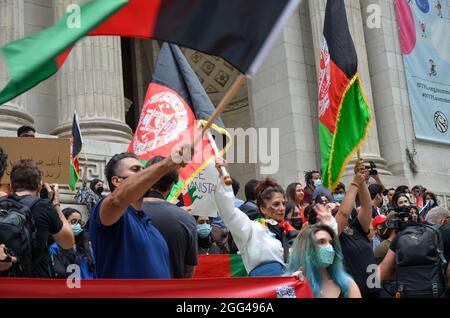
[304,255]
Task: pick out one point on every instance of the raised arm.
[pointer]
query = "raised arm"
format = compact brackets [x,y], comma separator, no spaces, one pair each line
[348,203]
[133,188]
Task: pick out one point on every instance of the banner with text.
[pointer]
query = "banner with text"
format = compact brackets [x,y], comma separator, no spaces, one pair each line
[52,156]
[424,29]
[254,287]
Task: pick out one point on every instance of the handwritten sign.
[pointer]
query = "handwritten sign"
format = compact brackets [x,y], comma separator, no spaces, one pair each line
[52,156]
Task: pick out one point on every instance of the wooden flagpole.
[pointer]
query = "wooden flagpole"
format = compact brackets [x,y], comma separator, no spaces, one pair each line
[226,176]
[234,89]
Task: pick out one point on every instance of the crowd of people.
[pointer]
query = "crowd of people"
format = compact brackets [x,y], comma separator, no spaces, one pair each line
[359,240]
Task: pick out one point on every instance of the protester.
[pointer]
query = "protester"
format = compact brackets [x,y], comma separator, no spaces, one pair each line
[236,187]
[262,253]
[249,207]
[386,233]
[206,244]
[374,235]
[376,195]
[317,253]
[5,189]
[293,215]
[176,225]
[46,214]
[125,243]
[356,247]
[313,179]
[89,196]
[80,254]
[388,202]
[295,194]
[339,192]
[26,131]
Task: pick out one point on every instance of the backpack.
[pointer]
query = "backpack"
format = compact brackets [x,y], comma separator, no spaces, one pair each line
[420,263]
[18,232]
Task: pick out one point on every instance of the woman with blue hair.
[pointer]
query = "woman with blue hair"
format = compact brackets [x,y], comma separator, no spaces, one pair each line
[316,253]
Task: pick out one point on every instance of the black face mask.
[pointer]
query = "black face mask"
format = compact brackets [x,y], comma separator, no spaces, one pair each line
[296,223]
[99,190]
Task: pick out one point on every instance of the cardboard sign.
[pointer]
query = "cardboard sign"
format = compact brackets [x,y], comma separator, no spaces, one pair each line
[52,156]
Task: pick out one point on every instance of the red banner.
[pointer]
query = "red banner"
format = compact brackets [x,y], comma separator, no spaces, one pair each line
[255,287]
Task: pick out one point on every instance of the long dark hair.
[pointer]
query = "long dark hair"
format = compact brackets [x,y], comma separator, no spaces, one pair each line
[291,192]
[81,241]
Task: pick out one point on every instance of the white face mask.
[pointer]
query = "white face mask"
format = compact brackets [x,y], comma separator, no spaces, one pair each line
[317,182]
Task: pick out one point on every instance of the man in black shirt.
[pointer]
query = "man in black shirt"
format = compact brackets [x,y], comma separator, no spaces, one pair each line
[177,226]
[356,247]
[249,207]
[26,181]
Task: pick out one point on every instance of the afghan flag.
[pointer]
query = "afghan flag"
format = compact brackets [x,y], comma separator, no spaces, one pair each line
[240,31]
[76,142]
[344,114]
[220,266]
[175,104]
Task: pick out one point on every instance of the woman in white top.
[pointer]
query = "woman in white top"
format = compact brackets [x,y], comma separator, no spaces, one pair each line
[262,252]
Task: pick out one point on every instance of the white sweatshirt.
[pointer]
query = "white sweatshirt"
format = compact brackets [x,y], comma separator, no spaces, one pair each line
[256,244]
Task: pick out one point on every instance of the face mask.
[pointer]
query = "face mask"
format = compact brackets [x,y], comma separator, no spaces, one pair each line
[203,230]
[296,223]
[99,190]
[77,229]
[325,256]
[430,202]
[317,182]
[338,197]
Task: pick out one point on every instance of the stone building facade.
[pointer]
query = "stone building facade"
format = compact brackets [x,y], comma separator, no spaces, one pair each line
[105,81]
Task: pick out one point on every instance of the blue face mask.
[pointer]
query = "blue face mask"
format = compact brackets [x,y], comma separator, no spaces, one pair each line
[317,182]
[203,230]
[325,256]
[77,229]
[338,197]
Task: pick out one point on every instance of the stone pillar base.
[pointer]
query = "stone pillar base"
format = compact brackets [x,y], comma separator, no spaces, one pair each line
[98,129]
[12,118]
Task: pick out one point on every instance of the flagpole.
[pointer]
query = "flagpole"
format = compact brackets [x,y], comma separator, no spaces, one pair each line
[219,109]
[226,176]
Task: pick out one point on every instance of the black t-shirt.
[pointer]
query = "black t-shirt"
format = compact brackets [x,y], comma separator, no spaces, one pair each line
[358,256]
[47,222]
[179,229]
[445,235]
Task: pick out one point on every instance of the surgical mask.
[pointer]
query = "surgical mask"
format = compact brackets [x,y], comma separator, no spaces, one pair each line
[99,190]
[430,203]
[203,230]
[325,256]
[77,229]
[296,223]
[338,197]
[317,182]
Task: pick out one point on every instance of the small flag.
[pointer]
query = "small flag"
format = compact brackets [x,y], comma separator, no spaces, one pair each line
[76,142]
[344,114]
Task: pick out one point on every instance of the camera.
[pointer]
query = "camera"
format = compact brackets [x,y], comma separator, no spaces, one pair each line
[403,216]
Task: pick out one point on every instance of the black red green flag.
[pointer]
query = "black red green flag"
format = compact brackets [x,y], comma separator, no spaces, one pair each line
[76,143]
[344,114]
[240,31]
[175,102]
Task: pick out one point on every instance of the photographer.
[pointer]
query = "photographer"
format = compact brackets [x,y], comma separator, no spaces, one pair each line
[415,264]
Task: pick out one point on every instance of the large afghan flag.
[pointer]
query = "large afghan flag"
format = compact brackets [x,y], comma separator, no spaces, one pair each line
[240,31]
[76,142]
[344,114]
[174,105]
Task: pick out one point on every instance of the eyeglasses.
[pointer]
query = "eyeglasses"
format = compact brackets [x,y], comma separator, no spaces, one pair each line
[74,221]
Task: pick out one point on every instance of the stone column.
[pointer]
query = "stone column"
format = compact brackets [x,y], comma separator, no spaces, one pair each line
[280,98]
[13,113]
[371,148]
[91,83]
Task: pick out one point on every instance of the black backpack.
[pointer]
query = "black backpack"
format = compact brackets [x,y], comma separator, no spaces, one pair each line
[420,263]
[18,232]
